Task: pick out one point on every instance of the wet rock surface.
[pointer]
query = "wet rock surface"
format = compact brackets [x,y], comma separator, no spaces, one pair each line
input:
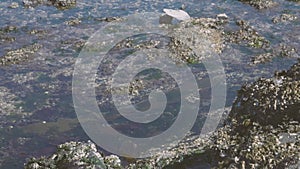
[247,35]
[267,99]
[14,5]
[36,104]
[19,55]
[260,4]
[60,4]
[77,155]
[259,146]
[271,53]
[284,18]
[263,132]
[186,44]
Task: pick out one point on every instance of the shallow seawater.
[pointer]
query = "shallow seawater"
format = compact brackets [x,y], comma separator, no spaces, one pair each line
[37,110]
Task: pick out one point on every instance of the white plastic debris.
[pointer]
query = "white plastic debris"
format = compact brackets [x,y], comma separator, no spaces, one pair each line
[177,14]
[222,16]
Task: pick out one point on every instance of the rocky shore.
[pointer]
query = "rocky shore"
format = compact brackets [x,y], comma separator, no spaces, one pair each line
[262,131]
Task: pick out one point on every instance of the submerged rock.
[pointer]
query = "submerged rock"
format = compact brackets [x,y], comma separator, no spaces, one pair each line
[247,35]
[8,102]
[19,55]
[63,4]
[262,58]
[284,18]
[60,4]
[260,4]
[73,22]
[280,50]
[8,29]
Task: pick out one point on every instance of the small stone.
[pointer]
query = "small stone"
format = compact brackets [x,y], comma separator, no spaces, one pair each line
[108,19]
[14,5]
[284,18]
[262,58]
[73,22]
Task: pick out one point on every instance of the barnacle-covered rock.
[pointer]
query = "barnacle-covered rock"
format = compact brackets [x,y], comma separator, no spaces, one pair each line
[269,101]
[33,3]
[73,22]
[287,51]
[188,148]
[280,50]
[14,5]
[8,102]
[247,35]
[264,125]
[260,4]
[260,147]
[284,18]
[19,55]
[188,41]
[194,36]
[60,4]
[7,29]
[262,58]
[77,155]
[63,4]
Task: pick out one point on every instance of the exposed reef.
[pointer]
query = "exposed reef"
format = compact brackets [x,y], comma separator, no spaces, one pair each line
[262,131]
